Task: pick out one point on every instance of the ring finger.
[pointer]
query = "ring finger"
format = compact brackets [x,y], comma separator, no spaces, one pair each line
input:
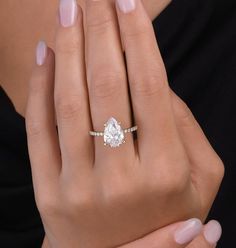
[106,75]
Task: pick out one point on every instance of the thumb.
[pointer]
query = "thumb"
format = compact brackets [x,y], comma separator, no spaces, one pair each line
[177,235]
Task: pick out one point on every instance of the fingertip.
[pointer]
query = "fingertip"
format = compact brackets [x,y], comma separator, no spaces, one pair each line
[126,6]
[43,71]
[212,232]
[187,231]
[41,52]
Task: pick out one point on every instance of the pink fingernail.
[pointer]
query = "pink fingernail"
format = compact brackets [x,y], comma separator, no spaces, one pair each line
[126,6]
[68,12]
[212,232]
[41,53]
[188,231]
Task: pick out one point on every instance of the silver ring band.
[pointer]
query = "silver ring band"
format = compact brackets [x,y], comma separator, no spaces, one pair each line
[127,130]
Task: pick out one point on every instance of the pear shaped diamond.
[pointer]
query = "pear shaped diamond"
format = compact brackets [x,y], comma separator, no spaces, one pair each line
[113,133]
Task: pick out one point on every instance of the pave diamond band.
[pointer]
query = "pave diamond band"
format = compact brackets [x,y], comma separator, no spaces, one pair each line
[127,130]
[113,133]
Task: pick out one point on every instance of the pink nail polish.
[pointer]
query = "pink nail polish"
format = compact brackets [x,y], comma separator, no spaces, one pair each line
[68,12]
[126,6]
[188,231]
[212,232]
[41,53]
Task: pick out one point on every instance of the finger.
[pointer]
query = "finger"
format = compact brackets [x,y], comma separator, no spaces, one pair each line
[160,5]
[106,75]
[177,235]
[45,243]
[71,98]
[212,232]
[148,81]
[206,165]
[210,236]
[40,122]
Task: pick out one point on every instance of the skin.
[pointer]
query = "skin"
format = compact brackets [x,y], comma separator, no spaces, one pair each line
[22,24]
[179,131]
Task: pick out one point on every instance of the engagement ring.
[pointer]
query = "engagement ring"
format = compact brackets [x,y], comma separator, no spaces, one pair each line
[113,134]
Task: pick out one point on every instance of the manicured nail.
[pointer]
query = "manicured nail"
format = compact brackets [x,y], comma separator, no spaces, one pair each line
[126,6]
[41,53]
[212,232]
[68,12]
[188,231]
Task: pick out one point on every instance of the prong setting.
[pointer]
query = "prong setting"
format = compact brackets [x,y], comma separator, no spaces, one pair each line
[113,134]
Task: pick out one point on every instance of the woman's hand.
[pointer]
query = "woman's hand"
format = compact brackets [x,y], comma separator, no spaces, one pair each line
[174,235]
[90,195]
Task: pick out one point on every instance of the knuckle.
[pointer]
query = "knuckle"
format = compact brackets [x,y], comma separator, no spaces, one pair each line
[113,196]
[214,169]
[173,184]
[47,205]
[150,85]
[99,25]
[106,85]
[186,118]
[80,201]
[68,44]
[219,169]
[142,29]
[183,112]
[172,179]
[115,191]
[67,107]
[33,127]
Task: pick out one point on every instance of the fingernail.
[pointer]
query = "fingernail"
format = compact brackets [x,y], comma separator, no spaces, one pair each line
[126,6]
[41,53]
[212,232]
[68,12]
[188,231]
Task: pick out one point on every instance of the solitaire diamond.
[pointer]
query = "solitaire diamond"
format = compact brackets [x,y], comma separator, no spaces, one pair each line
[113,133]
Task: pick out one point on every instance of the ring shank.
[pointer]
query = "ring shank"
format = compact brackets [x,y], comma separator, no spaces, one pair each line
[126,130]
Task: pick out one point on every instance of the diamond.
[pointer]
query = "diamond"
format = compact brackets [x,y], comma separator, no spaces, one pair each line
[113,133]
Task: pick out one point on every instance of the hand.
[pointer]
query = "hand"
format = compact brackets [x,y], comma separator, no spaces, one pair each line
[174,235]
[166,237]
[90,195]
